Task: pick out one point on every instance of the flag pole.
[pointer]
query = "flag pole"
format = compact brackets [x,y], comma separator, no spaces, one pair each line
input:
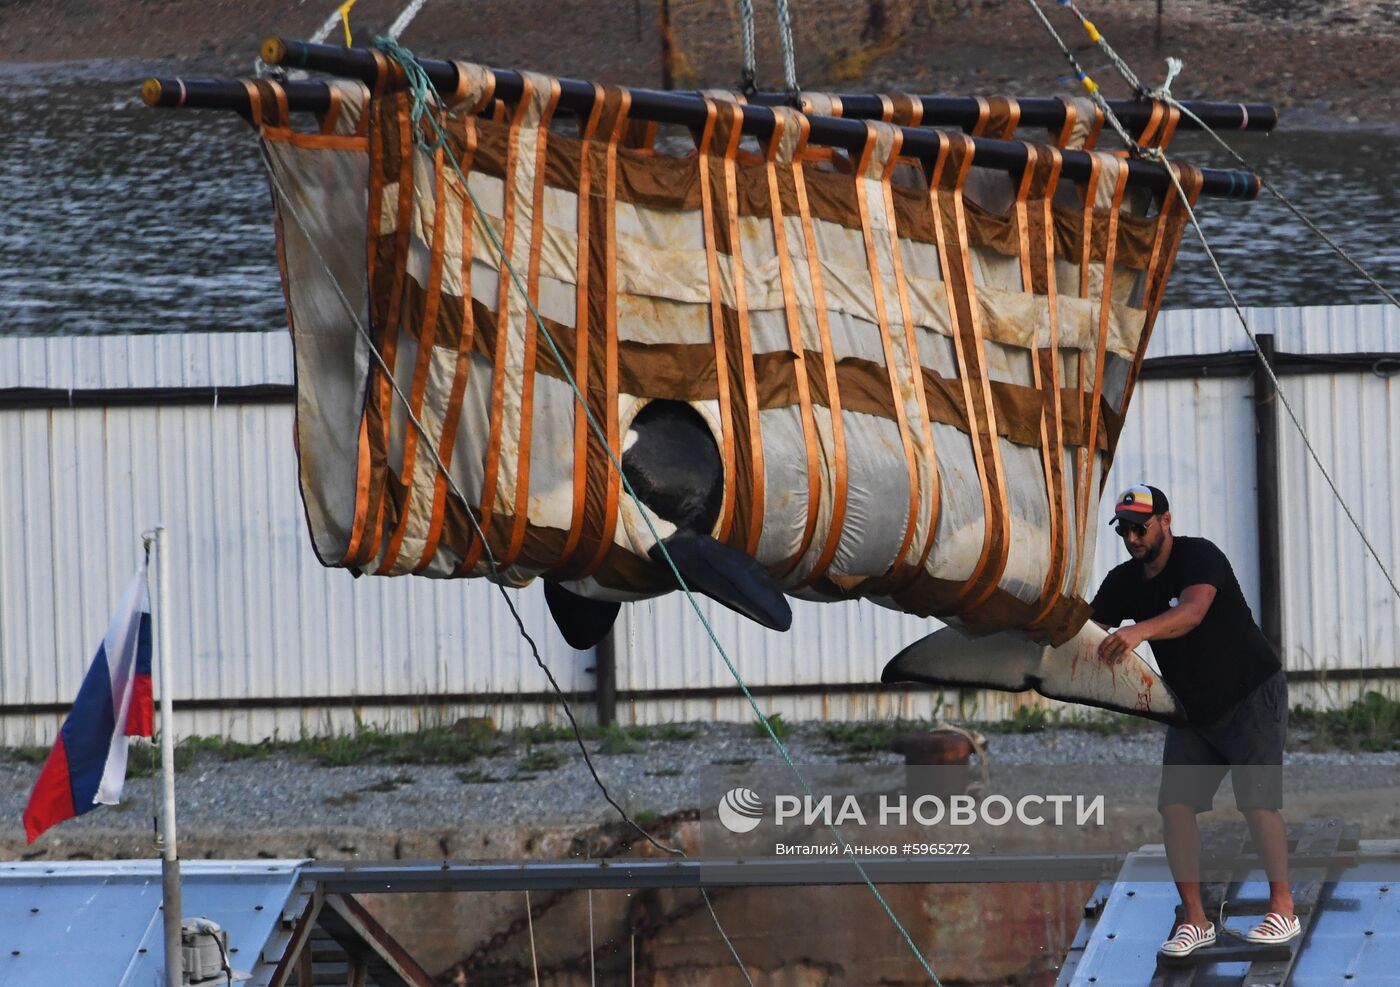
[170,860]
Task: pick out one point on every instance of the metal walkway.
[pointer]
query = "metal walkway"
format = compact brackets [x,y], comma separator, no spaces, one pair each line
[1346,894]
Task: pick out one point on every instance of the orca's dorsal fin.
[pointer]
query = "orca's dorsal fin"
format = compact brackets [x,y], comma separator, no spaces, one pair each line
[727,576]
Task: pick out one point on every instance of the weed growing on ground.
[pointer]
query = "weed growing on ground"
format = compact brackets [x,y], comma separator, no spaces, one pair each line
[676,731]
[539,759]
[475,776]
[873,737]
[1371,723]
[780,728]
[619,741]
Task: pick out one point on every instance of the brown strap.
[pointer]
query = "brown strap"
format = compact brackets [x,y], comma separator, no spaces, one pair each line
[908,111]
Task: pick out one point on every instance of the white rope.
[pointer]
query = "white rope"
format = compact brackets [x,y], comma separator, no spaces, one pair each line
[1159,155]
[405,18]
[789,58]
[592,966]
[1164,93]
[1288,203]
[530,923]
[1090,86]
[746,34]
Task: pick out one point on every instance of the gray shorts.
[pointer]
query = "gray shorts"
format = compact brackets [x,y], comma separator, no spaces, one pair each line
[1247,742]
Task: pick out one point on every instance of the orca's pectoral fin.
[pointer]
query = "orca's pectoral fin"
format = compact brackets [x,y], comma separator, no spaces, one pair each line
[1071,672]
[582,621]
[728,576]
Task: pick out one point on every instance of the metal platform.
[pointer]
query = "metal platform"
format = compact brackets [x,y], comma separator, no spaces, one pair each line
[1346,893]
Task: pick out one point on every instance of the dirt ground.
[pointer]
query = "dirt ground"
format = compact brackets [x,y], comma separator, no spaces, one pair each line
[1324,62]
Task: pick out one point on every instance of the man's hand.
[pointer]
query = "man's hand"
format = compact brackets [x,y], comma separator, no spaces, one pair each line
[1118,645]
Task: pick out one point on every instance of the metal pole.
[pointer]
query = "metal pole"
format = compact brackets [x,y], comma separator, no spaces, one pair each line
[668,47]
[1266,478]
[605,675]
[170,860]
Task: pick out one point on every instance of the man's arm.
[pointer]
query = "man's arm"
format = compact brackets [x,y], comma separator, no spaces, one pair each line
[1181,619]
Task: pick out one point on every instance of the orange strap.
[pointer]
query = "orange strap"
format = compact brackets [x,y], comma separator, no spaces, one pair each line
[738,342]
[500,359]
[706,161]
[872,169]
[386,315]
[927,493]
[839,473]
[1036,223]
[543,111]
[788,132]
[588,128]
[427,335]
[1094,411]
[1171,222]
[955,256]
[997,117]
[603,478]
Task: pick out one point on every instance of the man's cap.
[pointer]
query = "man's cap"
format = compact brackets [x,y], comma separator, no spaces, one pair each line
[1139,503]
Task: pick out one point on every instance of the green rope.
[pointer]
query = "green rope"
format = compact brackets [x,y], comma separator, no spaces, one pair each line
[413,419]
[425,104]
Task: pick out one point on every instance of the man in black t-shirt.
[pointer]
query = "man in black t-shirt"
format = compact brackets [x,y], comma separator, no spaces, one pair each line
[1184,598]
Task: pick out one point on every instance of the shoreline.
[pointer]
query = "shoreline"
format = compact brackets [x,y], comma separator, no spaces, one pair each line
[1287,54]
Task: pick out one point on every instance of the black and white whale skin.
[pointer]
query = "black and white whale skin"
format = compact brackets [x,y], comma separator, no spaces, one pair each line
[1009,662]
[671,462]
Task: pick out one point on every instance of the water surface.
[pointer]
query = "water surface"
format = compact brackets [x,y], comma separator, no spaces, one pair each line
[122,219]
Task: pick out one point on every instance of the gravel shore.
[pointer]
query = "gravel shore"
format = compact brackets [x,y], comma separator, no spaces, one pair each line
[547,784]
[1330,64]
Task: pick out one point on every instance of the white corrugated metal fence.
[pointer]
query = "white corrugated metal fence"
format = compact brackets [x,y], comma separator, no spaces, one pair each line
[269,641]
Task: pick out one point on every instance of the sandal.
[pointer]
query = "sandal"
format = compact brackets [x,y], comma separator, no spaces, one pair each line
[1187,939]
[1275,929]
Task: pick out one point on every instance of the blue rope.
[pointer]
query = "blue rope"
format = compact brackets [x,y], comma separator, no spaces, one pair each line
[425,104]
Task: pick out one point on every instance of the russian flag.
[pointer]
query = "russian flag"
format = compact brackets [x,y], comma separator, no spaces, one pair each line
[87,766]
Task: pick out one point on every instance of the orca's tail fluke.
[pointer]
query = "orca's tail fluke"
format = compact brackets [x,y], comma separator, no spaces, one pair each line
[1007,662]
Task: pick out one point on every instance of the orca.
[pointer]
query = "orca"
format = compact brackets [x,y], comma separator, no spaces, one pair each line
[672,463]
